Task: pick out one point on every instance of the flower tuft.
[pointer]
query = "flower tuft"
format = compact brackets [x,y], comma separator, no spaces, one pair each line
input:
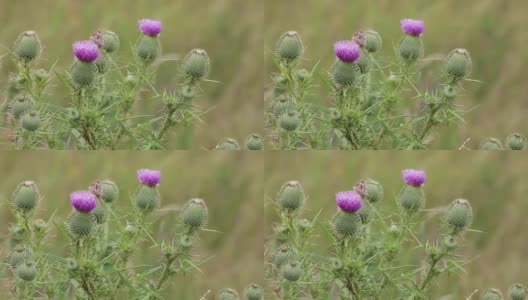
[150,27]
[348,201]
[412,27]
[83,201]
[414,177]
[149,177]
[347,51]
[86,50]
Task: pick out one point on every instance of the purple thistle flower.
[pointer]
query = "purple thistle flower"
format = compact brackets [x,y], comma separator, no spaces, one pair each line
[347,51]
[149,177]
[150,27]
[412,27]
[86,51]
[348,201]
[414,177]
[83,201]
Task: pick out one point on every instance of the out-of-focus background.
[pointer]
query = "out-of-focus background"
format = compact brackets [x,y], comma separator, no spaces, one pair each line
[494,183]
[230,31]
[493,31]
[230,183]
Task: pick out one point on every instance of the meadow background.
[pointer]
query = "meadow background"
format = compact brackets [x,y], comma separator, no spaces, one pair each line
[230,183]
[493,31]
[495,184]
[230,31]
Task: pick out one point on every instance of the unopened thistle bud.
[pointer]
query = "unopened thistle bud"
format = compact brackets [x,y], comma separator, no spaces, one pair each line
[41,76]
[458,65]
[99,215]
[303,75]
[449,93]
[412,198]
[147,197]
[292,271]
[80,224]
[289,121]
[459,215]
[374,191]
[491,144]
[281,105]
[254,142]
[282,256]
[304,225]
[518,292]
[27,271]
[19,255]
[346,224]
[148,48]
[228,144]
[254,292]
[186,242]
[291,196]
[22,104]
[516,141]
[363,64]
[83,70]
[110,41]
[109,191]
[373,41]
[364,213]
[411,47]
[31,121]
[40,226]
[289,47]
[492,294]
[228,294]
[26,196]
[194,215]
[27,46]
[196,64]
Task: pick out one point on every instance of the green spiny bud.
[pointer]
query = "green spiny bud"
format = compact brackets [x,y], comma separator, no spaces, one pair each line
[290,46]
[194,215]
[364,213]
[282,105]
[411,48]
[363,63]
[292,271]
[450,242]
[109,191]
[19,255]
[516,141]
[345,74]
[289,121]
[373,41]
[186,242]
[291,196]
[518,292]
[229,144]
[492,294]
[228,294]
[31,121]
[196,64]
[101,63]
[459,215]
[42,76]
[148,49]
[147,198]
[491,144]
[80,224]
[83,73]
[27,46]
[110,41]
[458,65]
[374,191]
[27,271]
[26,196]
[304,225]
[449,93]
[99,214]
[254,292]
[188,92]
[282,256]
[303,75]
[17,234]
[254,142]
[412,198]
[40,226]
[346,224]
[22,103]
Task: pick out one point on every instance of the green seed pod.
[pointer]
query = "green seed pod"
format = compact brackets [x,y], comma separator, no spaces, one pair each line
[518,292]
[27,271]
[491,144]
[83,73]
[99,215]
[147,198]
[228,294]
[31,121]
[196,64]
[459,215]
[281,105]
[516,141]
[254,142]
[186,242]
[291,196]
[148,49]
[27,46]
[71,264]
[292,271]
[194,215]
[110,41]
[26,196]
[373,41]
[22,103]
[449,93]
[254,292]
[374,191]
[289,121]
[282,256]
[458,65]
[346,224]
[19,255]
[289,47]
[412,199]
[229,144]
[101,63]
[345,74]
[80,224]
[492,294]
[109,191]
[411,48]
[363,63]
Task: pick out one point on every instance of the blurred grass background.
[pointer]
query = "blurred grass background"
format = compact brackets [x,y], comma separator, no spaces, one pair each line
[231,184]
[230,31]
[494,183]
[493,31]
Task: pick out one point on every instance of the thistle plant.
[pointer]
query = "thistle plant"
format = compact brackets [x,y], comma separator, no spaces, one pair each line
[368,244]
[102,92]
[102,237]
[377,102]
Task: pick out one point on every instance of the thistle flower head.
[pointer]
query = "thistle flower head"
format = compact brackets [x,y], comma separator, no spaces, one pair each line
[412,27]
[86,50]
[149,177]
[347,51]
[150,27]
[349,201]
[414,177]
[83,201]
